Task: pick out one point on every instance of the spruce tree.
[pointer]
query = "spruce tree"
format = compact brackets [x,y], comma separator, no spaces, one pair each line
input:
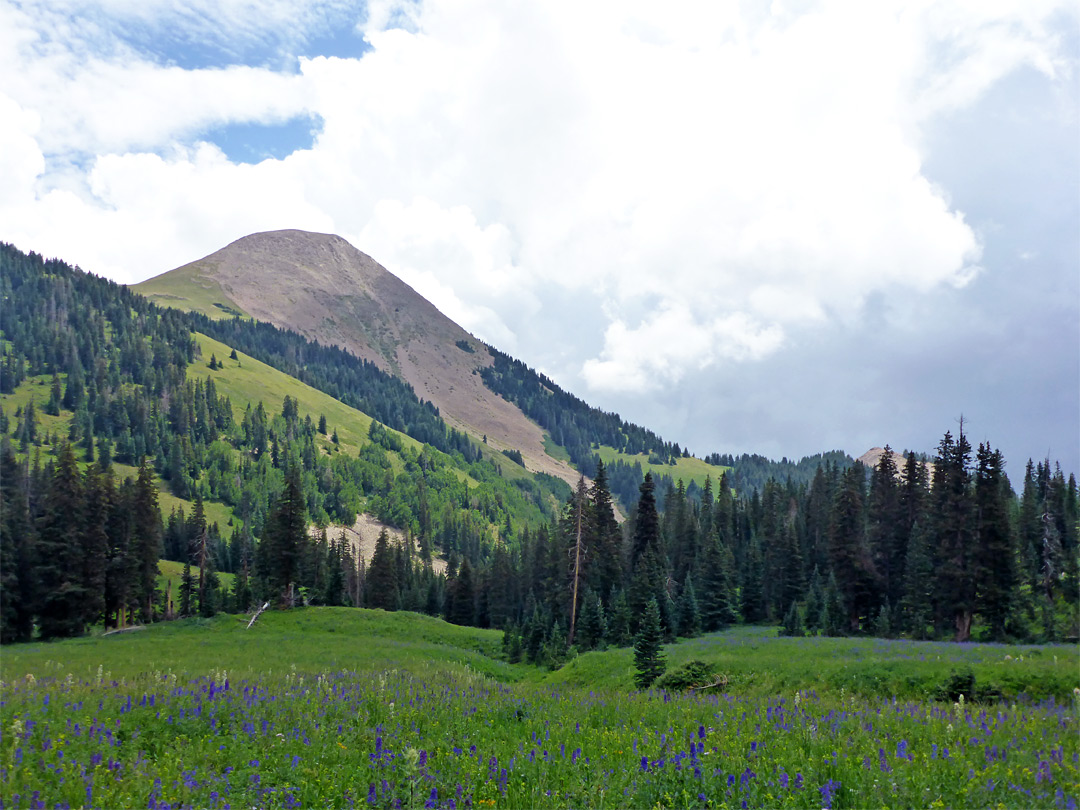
[592,627]
[917,605]
[18,564]
[954,534]
[793,623]
[996,548]
[815,604]
[603,537]
[646,523]
[284,539]
[885,525]
[100,498]
[619,621]
[146,539]
[689,615]
[849,552]
[752,595]
[63,596]
[381,586]
[463,605]
[834,616]
[649,659]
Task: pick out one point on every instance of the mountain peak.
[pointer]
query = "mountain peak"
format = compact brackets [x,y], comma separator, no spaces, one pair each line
[323,287]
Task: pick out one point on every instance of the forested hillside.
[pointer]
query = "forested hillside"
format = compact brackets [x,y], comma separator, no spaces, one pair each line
[110,408]
[97,382]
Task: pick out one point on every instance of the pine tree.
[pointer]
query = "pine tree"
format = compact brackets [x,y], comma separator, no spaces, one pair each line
[849,552]
[793,623]
[60,568]
[815,604]
[917,605]
[619,621]
[462,608]
[646,524]
[751,595]
[883,623]
[834,616]
[99,503]
[649,659]
[284,539]
[603,536]
[592,628]
[689,615]
[18,564]
[146,539]
[994,536]
[554,653]
[382,587]
[187,591]
[954,534]
[885,525]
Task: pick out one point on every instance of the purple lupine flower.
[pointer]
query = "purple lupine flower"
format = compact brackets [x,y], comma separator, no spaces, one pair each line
[1043,773]
[828,790]
[644,763]
[423,758]
[883,762]
[701,732]
[798,781]
[433,799]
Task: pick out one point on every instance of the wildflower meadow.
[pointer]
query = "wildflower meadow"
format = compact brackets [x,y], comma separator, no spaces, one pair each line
[427,728]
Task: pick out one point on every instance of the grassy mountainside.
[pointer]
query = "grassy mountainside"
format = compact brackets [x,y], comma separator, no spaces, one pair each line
[323,288]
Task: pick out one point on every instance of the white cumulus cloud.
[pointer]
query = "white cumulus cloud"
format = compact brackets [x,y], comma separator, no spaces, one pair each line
[709,179]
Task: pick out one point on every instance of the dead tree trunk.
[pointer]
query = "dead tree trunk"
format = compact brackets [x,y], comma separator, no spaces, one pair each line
[577,559]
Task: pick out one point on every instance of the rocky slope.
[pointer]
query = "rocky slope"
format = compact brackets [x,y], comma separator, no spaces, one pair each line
[324,288]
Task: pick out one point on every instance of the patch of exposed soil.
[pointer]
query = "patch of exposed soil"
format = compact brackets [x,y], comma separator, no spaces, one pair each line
[363,534]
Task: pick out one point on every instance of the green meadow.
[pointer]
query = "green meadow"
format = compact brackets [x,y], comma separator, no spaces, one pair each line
[686,468]
[336,707]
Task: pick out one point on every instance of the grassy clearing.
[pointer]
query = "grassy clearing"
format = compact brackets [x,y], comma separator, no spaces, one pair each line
[311,640]
[755,661]
[338,707]
[37,389]
[556,451]
[247,380]
[190,291]
[171,572]
[688,469]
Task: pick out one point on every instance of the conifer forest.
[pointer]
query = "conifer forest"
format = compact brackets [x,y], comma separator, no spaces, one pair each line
[116,441]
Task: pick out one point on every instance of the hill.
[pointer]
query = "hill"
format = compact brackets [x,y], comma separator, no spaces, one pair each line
[326,290]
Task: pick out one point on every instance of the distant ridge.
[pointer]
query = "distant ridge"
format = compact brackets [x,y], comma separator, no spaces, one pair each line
[324,288]
[872,457]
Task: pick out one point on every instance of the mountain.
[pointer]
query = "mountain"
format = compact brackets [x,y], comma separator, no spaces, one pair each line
[872,457]
[325,289]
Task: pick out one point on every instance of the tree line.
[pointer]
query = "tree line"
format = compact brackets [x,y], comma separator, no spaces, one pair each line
[952,553]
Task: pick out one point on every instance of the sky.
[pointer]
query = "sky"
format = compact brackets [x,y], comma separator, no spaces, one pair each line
[777,228]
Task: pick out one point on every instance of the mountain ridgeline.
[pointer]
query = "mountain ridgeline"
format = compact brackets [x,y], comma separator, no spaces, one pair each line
[245,435]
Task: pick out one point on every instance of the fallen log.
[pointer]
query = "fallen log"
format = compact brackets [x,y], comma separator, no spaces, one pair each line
[257,612]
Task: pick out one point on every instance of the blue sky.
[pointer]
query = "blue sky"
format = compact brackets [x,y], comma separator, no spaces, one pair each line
[777,228]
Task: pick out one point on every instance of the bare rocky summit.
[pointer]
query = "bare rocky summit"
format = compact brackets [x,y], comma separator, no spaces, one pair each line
[324,288]
[872,457]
